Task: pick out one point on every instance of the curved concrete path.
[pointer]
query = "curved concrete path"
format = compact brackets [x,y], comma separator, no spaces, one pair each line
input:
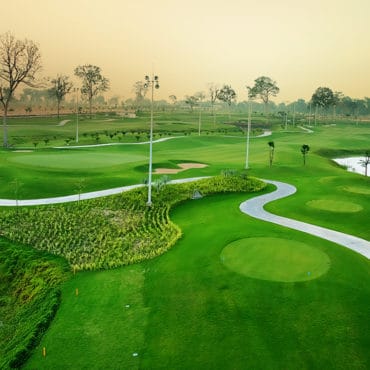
[83,196]
[114,144]
[254,207]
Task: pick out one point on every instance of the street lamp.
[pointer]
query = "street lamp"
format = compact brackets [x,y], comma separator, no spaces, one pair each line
[248,134]
[152,82]
[76,90]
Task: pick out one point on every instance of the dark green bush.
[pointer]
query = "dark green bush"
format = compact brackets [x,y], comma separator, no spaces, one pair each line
[30,283]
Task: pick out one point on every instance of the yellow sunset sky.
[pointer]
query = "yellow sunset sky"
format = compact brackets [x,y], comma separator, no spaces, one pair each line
[300,44]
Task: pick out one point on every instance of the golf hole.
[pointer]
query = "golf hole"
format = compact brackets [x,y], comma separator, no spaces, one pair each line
[275,259]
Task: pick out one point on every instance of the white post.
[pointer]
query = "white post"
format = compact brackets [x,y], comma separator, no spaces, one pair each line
[200,119]
[248,135]
[149,203]
[76,115]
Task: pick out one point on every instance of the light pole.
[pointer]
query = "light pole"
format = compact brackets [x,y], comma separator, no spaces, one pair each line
[76,90]
[152,82]
[248,135]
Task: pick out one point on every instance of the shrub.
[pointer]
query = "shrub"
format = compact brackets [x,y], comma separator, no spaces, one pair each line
[30,288]
[116,230]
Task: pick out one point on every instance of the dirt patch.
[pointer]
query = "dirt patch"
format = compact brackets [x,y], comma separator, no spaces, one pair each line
[183,167]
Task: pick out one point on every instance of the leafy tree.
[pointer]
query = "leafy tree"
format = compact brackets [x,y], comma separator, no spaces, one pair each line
[140,89]
[192,101]
[113,102]
[304,150]
[337,98]
[227,94]
[60,88]
[264,88]
[324,98]
[271,145]
[20,60]
[92,82]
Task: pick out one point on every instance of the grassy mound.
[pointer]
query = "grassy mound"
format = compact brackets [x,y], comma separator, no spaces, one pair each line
[29,297]
[113,231]
[335,206]
[275,259]
[357,189]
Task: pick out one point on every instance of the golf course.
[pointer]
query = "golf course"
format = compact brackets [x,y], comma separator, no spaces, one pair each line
[192,282]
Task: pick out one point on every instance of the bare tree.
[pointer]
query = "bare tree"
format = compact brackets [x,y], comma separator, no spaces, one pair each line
[173,100]
[192,101]
[20,60]
[92,82]
[213,95]
[60,88]
[200,96]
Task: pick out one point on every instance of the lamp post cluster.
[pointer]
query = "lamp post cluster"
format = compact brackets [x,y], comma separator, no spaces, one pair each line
[151,82]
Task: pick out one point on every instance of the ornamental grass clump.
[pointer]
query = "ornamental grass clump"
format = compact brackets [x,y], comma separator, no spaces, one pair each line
[116,230]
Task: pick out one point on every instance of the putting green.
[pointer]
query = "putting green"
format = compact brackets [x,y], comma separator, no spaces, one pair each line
[275,259]
[75,159]
[335,206]
[357,189]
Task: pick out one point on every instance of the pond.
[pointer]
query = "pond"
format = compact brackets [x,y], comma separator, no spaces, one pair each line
[353,164]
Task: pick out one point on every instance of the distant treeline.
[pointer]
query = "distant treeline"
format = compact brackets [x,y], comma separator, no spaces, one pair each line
[39,100]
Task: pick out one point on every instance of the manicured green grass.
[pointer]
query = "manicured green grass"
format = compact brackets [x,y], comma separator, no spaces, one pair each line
[191,311]
[275,259]
[197,313]
[75,160]
[335,206]
[101,327]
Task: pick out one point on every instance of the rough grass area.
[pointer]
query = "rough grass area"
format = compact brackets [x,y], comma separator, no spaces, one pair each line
[29,298]
[112,231]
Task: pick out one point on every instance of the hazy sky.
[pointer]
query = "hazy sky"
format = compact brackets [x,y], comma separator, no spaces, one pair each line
[300,44]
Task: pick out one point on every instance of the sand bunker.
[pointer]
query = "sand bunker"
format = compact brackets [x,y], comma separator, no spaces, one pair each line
[22,151]
[62,123]
[183,167]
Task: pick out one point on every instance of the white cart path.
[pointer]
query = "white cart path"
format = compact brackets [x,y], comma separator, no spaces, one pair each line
[254,207]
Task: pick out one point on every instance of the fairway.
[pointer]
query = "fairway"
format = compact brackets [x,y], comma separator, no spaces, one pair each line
[275,259]
[234,292]
[75,159]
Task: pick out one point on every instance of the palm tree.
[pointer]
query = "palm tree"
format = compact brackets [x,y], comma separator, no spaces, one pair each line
[271,145]
[304,150]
